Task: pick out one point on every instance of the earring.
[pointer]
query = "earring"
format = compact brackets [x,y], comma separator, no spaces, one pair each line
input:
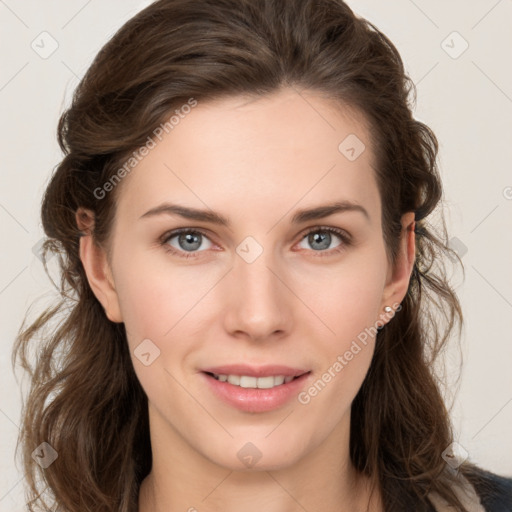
[388,309]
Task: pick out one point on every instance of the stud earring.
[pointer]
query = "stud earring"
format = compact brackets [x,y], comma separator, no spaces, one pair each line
[388,309]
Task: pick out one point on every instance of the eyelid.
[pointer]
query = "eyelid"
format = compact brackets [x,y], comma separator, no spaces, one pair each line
[344,235]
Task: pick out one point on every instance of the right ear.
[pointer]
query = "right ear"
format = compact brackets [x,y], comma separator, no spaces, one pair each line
[96,266]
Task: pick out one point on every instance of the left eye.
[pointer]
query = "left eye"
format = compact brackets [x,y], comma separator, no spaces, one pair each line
[322,238]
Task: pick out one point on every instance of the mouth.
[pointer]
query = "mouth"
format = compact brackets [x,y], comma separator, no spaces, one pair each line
[256,394]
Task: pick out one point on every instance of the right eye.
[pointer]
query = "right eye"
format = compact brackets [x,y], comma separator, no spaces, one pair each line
[185,240]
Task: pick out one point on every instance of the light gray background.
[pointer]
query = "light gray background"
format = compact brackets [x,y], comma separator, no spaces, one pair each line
[466,99]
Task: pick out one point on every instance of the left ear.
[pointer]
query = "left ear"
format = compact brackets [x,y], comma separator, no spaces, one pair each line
[399,275]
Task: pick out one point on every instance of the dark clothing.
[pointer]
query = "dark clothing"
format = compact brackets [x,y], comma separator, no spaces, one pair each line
[495,492]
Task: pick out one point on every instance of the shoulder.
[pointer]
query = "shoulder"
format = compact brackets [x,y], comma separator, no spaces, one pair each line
[494,491]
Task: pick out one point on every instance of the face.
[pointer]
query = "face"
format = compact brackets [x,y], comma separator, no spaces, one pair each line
[277,282]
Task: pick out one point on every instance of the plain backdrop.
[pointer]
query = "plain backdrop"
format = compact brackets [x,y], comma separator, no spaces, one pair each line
[458,53]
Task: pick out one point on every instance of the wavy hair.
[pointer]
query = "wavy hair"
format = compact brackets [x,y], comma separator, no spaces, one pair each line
[85,399]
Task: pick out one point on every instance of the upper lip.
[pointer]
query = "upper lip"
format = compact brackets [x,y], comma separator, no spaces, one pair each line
[255,371]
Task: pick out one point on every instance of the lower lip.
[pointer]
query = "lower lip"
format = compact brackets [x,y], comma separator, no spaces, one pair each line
[256,400]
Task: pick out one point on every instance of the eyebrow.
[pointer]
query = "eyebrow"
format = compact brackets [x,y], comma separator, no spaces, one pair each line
[318,212]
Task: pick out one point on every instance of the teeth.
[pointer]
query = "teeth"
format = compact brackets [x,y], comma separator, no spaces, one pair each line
[234,379]
[245,381]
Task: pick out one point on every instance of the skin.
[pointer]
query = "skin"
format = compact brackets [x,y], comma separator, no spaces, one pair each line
[255,161]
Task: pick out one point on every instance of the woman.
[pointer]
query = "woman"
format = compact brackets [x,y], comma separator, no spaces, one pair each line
[252,294]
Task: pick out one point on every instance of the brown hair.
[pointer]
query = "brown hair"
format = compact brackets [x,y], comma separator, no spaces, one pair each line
[85,399]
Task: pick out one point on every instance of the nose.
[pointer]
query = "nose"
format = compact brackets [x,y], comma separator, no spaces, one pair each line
[260,304]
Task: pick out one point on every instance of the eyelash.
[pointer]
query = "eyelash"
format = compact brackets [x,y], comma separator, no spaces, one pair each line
[345,238]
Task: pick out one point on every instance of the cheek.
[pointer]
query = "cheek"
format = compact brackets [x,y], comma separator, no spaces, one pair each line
[160,308]
[155,295]
[347,300]
[344,355]
[346,297]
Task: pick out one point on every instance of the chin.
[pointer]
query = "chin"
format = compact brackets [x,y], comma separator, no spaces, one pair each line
[257,455]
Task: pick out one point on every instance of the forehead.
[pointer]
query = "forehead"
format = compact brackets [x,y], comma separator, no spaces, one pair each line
[256,154]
